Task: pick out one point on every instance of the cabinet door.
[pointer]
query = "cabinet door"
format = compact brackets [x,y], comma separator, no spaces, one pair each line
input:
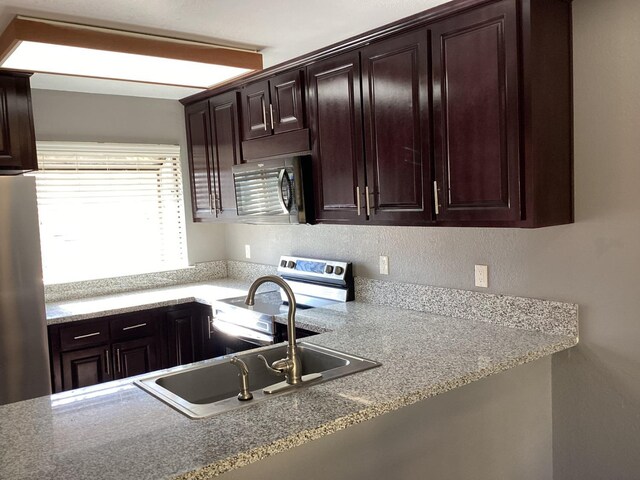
[287,101]
[226,151]
[396,119]
[255,110]
[17,139]
[335,119]
[86,367]
[475,95]
[182,333]
[135,357]
[200,160]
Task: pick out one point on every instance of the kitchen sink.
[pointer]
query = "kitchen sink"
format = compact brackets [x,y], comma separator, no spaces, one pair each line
[204,390]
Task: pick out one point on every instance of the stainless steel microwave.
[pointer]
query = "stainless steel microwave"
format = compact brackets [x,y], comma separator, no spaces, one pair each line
[273,191]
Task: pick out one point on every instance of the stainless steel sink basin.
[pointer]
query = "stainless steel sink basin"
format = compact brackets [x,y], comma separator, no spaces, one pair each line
[205,390]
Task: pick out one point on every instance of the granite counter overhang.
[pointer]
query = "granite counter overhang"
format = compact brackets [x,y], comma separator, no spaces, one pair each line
[118,431]
[205,293]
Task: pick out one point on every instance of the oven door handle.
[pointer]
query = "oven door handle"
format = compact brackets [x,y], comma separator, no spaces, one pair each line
[241,333]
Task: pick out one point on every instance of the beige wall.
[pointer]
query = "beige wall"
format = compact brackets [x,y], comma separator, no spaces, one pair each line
[495,429]
[594,262]
[82,117]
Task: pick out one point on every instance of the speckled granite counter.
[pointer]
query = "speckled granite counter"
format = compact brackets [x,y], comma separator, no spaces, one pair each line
[202,292]
[118,431]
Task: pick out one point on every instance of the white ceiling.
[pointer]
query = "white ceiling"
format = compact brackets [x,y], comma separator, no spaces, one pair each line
[280,29]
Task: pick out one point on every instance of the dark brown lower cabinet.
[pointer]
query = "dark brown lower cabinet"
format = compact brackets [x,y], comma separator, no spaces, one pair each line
[182,330]
[135,357]
[89,352]
[85,367]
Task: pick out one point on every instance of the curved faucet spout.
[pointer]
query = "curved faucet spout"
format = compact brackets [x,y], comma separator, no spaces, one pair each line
[291,299]
[291,366]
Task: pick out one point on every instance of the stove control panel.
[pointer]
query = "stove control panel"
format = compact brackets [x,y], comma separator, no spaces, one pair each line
[324,271]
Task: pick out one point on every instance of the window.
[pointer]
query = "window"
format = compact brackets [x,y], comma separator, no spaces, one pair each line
[109,210]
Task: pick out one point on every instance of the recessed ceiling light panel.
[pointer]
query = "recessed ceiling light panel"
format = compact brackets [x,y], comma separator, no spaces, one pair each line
[51,47]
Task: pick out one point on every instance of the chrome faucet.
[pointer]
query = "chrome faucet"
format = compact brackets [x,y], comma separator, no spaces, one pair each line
[291,366]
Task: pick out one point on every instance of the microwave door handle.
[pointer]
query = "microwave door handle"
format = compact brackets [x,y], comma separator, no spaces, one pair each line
[280,195]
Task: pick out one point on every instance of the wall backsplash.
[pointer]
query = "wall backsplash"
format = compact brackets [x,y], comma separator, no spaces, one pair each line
[556,318]
[249,271]
[521,262]
[106,286]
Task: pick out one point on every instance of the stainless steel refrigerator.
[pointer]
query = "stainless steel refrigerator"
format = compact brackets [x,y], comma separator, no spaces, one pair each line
[24,353]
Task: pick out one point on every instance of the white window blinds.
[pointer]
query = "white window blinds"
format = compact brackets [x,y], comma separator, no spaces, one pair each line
[109,210]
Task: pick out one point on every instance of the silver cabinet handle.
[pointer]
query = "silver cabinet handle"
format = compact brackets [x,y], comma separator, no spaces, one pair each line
[435,197]
[264,114]
[366,199]
[107,361]
[358,199]
[271,114]
[86,336]
[118,360]
[134,326]
[209,326]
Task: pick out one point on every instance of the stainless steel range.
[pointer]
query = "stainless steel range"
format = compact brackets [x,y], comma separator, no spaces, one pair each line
[235,326]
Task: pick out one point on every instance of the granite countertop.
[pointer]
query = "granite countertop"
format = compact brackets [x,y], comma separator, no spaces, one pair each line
[202,292]
[116,430]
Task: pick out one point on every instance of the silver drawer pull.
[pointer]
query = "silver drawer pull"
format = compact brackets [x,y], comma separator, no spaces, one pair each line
[134,326]
[86,336]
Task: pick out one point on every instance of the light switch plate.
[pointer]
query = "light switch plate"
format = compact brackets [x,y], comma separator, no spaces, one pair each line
[247,251]
[482,276]
[384,265]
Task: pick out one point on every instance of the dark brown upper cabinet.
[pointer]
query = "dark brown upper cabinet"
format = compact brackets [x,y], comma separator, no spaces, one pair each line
[273,116]
[395,93]
[371,150]
[213,148]
[256,109]
[502,115]
[225,138]
[335,119]
[200,160]
[458,116]
[475,78]
[273,106]
[17,138]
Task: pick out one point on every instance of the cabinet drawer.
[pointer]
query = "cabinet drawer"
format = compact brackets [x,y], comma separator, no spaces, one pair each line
[84,334]
[137,325]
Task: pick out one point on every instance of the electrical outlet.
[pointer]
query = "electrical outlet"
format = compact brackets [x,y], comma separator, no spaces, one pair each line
[384,265]
[247,251]
[482,276]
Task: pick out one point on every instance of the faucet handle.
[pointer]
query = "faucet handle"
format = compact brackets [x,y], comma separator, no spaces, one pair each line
[269,367]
